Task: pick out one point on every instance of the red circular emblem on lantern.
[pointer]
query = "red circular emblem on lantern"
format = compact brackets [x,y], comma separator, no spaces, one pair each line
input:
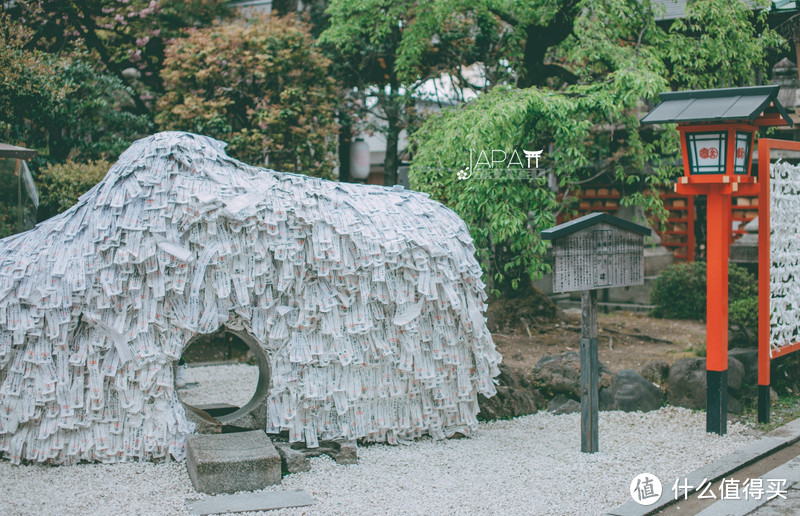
[703,153]
[712,153]
[740,153]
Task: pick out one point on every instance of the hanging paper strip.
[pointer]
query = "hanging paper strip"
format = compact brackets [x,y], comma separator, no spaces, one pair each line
[368,301]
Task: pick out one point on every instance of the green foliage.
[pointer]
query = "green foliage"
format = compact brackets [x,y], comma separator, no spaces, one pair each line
[261,85]
[732,39]
[28,90]
[60,185]
[94,120]
[119,34]
[504,213]
[601,61]
[744,314]
[679,292]
[62,107]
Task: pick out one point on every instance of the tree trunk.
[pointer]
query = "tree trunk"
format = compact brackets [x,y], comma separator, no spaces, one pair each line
[392,108]
[539,40]
[390,164]
[345,141]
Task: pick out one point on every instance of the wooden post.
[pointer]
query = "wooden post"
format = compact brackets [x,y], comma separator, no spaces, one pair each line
[764,266]
[719,229]
[20,211]
[589,372]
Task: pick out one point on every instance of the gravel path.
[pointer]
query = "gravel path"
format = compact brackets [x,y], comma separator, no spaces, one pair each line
[530,465]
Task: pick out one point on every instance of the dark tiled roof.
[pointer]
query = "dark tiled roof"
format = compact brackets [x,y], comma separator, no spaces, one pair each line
[724,104]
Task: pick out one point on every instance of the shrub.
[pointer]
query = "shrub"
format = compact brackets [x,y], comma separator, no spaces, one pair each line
[60,185]
[680,292]
[744,314]
[62,105]
[262,86]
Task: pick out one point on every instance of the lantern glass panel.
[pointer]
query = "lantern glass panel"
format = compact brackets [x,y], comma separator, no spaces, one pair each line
[707,152]
[743,148]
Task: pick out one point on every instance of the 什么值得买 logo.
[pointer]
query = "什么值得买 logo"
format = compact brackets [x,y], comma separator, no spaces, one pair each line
[500,164]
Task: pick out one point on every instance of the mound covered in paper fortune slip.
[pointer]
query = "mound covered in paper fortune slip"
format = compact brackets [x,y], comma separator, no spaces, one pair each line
[367,300]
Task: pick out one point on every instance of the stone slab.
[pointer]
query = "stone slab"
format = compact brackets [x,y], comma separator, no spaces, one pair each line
[789,471]
[771,442]
[226,463]
[217,409]
[250,502]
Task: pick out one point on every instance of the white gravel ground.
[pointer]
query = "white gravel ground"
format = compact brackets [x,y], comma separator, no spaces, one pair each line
[230,383]
[529,465]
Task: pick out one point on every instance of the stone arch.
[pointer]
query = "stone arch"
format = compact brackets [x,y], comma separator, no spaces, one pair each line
[257,402]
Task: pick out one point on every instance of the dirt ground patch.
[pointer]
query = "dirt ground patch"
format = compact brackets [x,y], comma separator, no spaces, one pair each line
[628,340]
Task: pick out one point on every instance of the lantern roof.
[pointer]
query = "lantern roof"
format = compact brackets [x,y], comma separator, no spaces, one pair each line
[590,220]
[12,151]
[719,105]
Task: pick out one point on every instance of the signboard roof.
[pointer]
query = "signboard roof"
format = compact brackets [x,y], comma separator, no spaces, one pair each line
[592,219]
[12,151]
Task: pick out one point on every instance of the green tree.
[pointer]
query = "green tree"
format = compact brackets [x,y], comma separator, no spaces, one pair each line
[578,96]
[120,34]
[62,106]
[385,50]
[261,85]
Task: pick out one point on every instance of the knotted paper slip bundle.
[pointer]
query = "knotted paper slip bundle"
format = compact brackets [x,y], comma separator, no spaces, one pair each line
[367,300]
[784,274]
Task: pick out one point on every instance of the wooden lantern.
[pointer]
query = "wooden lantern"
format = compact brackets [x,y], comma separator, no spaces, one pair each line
[716,129]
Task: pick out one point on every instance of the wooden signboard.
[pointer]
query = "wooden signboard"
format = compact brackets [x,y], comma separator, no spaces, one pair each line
[592,252]
[599,256]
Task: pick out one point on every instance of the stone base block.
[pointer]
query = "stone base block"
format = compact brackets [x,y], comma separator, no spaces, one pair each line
[226,463]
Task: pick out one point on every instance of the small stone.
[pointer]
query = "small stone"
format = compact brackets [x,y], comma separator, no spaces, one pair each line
[244,421]
[655,371]
[734,405]
[516,396]
[204,422]
[687,381]
[749,359]
[631,392]
[557,401]
[569,407]
[561,373]
[292,461]
[686,384]
[347,454]
[735,374]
